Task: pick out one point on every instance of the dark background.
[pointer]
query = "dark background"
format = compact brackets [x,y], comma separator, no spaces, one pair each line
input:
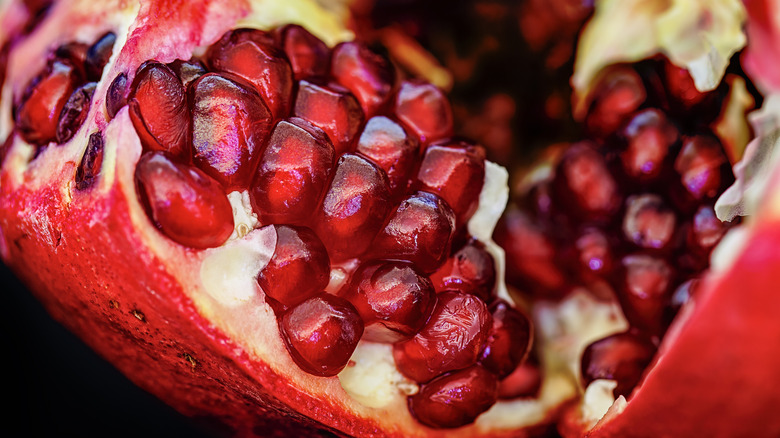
[53,385]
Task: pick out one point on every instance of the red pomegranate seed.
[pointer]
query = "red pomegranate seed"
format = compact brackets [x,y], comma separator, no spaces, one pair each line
[649,222]
[158,109]
[321,333]
[331,108]
[455,399]
[684,293]
[595,251]
[308,55]
[393,299]
[617,94]
[293,174]
[42,103]
[471,270]
[230,124]
[188,71]
[645,286]
[367,74]
[707,229]
[299,267]
[75,112]
[419,231]
[509,341]
[455,171]
[97,56]
[354,208]
[584,184]
[680,85]
[116,95]
[252,55]
[452,339]
[183,202]
[622,357]
[425,110]
[388,145]
[524,382]
[91,162]
[700,164]
[648,135]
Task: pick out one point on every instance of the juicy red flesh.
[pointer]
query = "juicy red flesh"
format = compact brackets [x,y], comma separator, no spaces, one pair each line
[252,55]
[390,147]
[97,56]
[187,205]
[470,269]
[455,399]
[621,357]
[393,300]
[158,109]
[299,267]
[331,108]
[293,174]
[308,55]
[368,75]
[509,341]
[425,110]
[42,103]
[75,112]
[452,339]
[321,333]
[91,162]
[230,124]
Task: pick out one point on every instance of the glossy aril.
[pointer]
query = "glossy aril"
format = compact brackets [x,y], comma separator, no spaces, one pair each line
[188,71]
[91,162]
[509,341]
[293,173]
[622,357]
[454,170]
[707,229]
[187,205]
[470,269]
[252,55]
[645,283]
[594,251]
[321,333]
[367,74]
[524,382]
[617,94]
[649,135]
[42,103]
[452,339]
[299,266]
[97,56]
[75,112]
[700,165]
[354,208]
[309,57]
[230,125]
[393,299]
[420,231]
[425,109]
[331,108]
[159,111]
[584,185]
[455,399]
[390,147]
[116,95]
[648,221]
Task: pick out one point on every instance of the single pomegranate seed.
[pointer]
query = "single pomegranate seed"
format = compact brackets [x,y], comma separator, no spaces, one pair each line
[230,124]
[681,87]
[116,95]
[707,229]
[354,208]
[584,184]
[367,74]
[622,357]
[595,251]
[299,267]
[645,286]
[524,382]
[187,71]
[252,55]
[97,56]
[293,174]
[321,333]
[452,339]
[420,231]
[331,108]
[183,202]
[649,222]
[471,270]
[308,55]
[425,110]
[509,341]
[617,94]
[455,399]
[393,299]
[42,103]
[648,135]
[75,111]
[158,109]
[701,163]
[388,145]
[75,54]
[91,162]
[456,172]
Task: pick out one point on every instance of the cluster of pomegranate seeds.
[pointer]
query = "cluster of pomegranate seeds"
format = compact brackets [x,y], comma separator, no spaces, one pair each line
[55,103]
[628,212]
[357,172]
